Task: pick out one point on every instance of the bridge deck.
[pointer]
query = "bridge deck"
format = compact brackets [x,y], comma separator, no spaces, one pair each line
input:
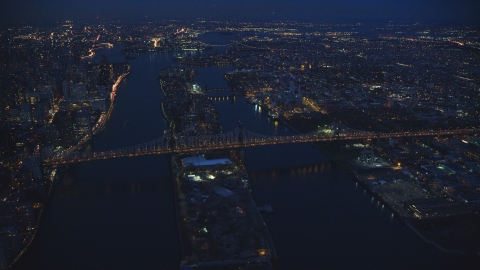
[237,138]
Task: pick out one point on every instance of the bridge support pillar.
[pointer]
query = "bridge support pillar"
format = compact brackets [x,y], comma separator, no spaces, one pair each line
[241,157]
[240,138]
[378,140]
[412,148]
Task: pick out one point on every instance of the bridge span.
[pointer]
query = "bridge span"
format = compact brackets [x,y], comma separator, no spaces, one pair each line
[236,138]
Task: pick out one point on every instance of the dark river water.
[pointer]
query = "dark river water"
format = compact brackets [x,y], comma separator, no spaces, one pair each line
[120,213]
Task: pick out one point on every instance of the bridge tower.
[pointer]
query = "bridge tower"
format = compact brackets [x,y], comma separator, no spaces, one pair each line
[241,135]
[170,138]
[378,140]
[241,157]
[412,148]
[241,139]
[336,129]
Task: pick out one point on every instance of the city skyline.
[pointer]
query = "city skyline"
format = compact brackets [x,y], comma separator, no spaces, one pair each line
[463,11]
[359,139]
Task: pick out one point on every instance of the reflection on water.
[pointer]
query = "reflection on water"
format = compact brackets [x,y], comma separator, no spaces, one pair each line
[119,208]
[292,171]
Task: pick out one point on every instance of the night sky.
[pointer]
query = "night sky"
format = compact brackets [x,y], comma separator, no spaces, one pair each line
[14,11]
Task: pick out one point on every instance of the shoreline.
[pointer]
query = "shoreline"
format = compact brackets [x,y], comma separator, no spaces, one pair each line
[170,159]
[191,237]
[438,246]
[56,178]
[190,252]
[86,139]
[402,219]
[350,170]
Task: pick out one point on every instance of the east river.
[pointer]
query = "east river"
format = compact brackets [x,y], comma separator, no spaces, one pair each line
[120,213]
